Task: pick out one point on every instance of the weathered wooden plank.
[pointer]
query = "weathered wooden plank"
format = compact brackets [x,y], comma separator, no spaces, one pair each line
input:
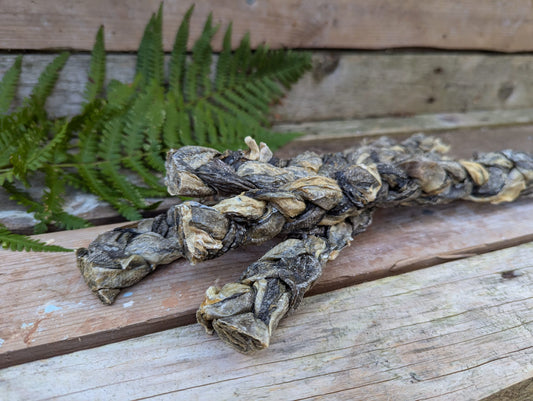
[493,122]
[457,331]
[355,85]
[343,85]
[380,24]
[48,310]
[465,133]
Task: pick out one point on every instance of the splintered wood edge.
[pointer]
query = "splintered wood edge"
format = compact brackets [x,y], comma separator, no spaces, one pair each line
[459,329]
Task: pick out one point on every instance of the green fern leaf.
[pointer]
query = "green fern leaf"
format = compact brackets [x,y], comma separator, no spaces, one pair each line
[41,156]
[17,242]
[47,80]
[177,128]
[23,198]
[122,185]
[225,63]
[150,57]
[96,79]
[136,164]
[53,200]
[115,147]
[197,72]
[179,55]
[67,221]
[8,85]
[97,186]
[120,95]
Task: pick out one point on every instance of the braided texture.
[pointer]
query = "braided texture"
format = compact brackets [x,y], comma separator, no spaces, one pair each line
[245,314]
[319,201]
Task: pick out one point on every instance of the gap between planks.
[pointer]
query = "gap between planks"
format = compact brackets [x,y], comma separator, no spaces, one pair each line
[48,310]
[456,331]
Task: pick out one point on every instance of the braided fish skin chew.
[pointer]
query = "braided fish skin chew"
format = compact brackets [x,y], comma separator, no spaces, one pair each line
[290,197]
[245,314]
[418,167]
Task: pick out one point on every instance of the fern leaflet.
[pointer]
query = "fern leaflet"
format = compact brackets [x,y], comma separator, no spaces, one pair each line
[8,85]
[17,242]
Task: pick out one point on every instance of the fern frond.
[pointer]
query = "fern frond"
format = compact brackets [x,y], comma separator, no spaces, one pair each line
[33,152]
[225,64]
[150,57]
[96,79]
[120,95]
[115,148]
[136,164]
[8,85]
[53,200]
[179,55]
[17,242]
[23,198]
[110,150]
[197,73]
[47,80]
[94,182]
[43,155]
[177,128]
[88,167]
[67,221]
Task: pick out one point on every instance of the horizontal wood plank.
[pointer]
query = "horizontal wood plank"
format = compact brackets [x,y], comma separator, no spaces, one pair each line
[48,309]
[380,24]
[341,85]
[456,331]
[465,133]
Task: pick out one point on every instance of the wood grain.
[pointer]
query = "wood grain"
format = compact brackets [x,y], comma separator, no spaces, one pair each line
[380,24]
[341,85]
[456,331]
[453,129]
[48,309]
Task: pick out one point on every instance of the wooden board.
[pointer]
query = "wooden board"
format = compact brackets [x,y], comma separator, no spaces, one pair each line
[465,133]
[456,331]
[380,24]
[48,310]
[341,85]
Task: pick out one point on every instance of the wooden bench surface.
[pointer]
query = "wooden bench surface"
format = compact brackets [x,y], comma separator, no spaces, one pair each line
[461,330]
[430,303]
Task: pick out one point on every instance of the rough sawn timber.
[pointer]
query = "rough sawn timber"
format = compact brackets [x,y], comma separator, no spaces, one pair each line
[456,331]
[380,24]
[48,309]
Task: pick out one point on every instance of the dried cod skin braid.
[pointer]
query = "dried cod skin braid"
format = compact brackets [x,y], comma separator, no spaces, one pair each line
[245,314]
[381,174]
[413,171]
[200,172]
